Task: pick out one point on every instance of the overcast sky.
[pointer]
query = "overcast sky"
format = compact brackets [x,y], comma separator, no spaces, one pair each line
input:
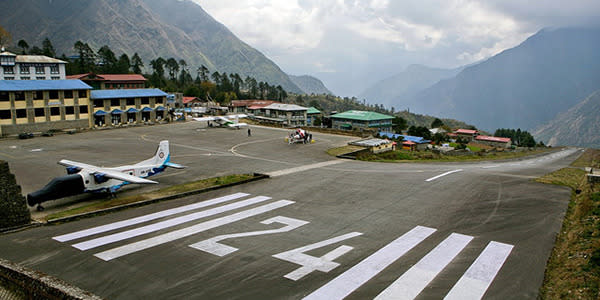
[350,44]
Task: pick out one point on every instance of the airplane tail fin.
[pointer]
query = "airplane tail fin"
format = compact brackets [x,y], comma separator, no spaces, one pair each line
[161,156]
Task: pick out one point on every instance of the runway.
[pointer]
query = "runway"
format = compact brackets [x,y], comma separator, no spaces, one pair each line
[320,228]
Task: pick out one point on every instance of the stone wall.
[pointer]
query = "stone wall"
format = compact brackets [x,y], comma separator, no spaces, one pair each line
[42,127]
[13,207]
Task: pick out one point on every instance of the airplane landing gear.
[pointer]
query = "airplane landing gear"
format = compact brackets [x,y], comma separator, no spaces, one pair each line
[39,208]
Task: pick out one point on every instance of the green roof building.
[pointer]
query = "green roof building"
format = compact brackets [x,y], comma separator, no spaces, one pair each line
[312,114]
[362,119]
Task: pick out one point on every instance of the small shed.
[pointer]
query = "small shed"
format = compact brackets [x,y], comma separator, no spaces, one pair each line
[375,145]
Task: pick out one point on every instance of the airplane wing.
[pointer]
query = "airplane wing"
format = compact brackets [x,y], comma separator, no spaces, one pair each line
[236,116]
[174,165]
[204,119]
[237,125]
[70,163]
[105,172]
[123,176]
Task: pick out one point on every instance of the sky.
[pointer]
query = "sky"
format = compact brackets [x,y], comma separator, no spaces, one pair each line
[351,44]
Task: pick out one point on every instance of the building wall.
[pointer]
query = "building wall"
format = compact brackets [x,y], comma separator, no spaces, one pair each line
[29,72]
[38,111]
[493,144]
[123,104]
[383,125]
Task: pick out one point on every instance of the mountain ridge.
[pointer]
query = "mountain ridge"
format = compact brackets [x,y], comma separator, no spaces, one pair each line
[310,84]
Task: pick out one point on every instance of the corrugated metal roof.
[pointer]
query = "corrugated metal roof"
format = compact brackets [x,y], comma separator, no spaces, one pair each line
[370,142]
[312,110]
[466,131]
[32,59]
[42,85]
[131,93]
[492,139]
[362,115]
[415,139]
[285,107]
[123,77]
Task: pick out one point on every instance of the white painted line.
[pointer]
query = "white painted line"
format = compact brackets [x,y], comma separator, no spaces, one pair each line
[489,167]
[212,245]
[347,282]
[181,233]
[304,168]
[442,175]
[413,281]
[145,218]
[166,224]
[479,276]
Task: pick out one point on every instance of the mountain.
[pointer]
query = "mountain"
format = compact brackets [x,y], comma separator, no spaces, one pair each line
[310,85]
[578,126]
[153,28]
[522,87]
[405,85]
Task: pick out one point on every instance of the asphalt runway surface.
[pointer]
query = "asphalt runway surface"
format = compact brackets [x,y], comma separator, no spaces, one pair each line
[319,228]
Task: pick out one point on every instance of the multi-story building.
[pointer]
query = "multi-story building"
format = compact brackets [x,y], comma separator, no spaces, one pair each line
[351,119]
[112,81]
[30,67]
[280,113]
[132,106]
[43,105]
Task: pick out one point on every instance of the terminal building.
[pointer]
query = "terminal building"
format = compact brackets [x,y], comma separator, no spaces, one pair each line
[131,106]
[352,119]
[30,67]
[43,105]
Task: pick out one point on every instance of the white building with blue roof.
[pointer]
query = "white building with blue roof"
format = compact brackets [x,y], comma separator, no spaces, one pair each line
[130,106]
[43,105]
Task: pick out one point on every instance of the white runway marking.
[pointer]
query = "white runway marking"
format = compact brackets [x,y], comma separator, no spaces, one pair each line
[411,283]
[166,224]
[442,175]
[479,276]
[347,282]
[304,168]
[146,218]
[181,233]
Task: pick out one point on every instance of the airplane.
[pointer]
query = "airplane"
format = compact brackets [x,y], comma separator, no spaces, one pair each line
[83,178]
[231,121]
[299,136]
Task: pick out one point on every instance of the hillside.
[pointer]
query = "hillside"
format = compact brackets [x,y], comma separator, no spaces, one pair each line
[522,87]
[310,85]
[152,28]
[405,85]
[578,126]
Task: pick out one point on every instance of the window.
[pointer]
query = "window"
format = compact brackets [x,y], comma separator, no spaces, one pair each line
[54,111]
[5,114]
[4,96]
[115,102]
[19,95]
[83,109]
[53,94]
[21,113]
[9,78]
[54,69]
[7,60]
[24,69]
[39,112]
[40,70]
[38,95]
[40,78]
[159,100]
[98,103]
[145,100]
[68,94]
[82,94]
[25,78]
[9,70]
[69,110]
[55,78]
[130,101]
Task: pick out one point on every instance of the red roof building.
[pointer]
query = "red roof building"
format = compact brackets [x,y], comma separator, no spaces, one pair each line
[494,141]
[242,106]
[112,81]
[466,134]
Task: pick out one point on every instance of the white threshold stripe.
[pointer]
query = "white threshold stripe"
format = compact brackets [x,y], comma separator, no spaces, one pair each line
[181,233]
[442,175]
[166,224]
[145,218]
[413,281]
[304,168]
[347,282]
[478,278]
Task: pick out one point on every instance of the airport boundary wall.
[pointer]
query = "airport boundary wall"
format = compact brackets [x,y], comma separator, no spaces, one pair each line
[13,207]
[17,282]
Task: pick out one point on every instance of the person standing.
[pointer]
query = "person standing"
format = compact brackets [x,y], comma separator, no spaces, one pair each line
[249,132]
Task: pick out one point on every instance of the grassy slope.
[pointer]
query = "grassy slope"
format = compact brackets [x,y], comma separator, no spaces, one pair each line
[573,270]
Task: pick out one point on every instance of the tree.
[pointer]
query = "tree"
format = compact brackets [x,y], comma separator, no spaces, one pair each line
[437,123]
[136,64]
[86,58]
[108,60]
[203,73]
[5,37]
[421,131]
[399,124]
[123,64]
[23,45]
[158,66]
[47,48]
[173,67]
